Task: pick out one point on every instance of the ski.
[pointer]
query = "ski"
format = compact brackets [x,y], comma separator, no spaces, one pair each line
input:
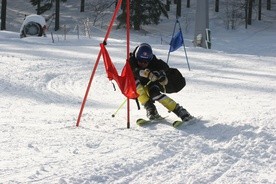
[175,124]
[185,122]
[142,121]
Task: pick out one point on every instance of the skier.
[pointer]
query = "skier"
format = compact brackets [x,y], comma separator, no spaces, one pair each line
[154,78]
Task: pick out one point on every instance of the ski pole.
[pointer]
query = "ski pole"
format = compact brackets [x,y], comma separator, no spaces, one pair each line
[113,115]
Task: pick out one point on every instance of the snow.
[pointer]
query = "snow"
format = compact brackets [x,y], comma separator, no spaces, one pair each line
[230,88]
[33,18]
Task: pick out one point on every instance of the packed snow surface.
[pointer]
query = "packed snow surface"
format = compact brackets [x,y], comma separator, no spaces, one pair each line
[230,89]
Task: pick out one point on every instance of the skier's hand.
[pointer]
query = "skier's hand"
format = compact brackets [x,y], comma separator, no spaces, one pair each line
[144,73]
[152,76]
[163,80]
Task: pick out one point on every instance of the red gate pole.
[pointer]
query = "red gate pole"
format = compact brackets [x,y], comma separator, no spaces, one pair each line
[88,88]
[97,61]
[112,20]
[128,38]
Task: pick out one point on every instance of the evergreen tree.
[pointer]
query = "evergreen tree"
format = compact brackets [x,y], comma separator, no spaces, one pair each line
[35,2]
[143,12]
[43,5]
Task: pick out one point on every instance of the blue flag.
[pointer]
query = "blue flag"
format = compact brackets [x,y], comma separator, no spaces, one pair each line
[176,42]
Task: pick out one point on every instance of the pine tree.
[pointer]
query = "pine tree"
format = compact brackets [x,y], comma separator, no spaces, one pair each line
[35,2]
[143,12]
[43,5]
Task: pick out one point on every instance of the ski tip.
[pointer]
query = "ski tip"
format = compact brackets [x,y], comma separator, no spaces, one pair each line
[187,121]
[141,121]
[177,124]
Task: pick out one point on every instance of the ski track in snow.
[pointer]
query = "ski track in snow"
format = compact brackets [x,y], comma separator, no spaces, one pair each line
[42,145]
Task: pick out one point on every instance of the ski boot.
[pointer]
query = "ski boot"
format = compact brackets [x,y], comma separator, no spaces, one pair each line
[152,113]
[182,113]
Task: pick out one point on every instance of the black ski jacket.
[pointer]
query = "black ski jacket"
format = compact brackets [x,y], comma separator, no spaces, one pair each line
[154,65]
[176,81]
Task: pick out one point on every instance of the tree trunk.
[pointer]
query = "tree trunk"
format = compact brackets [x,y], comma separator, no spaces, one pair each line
[268,4]
[250,7]
[246,13]
[178,8]
[3,14]
[137,21]
[168,3]
[57,15]
[38,7]
[82,6]
[188,4]
[260,10]
[217,6]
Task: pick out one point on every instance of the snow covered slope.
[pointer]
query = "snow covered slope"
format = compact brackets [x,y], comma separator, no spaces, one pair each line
[230,87]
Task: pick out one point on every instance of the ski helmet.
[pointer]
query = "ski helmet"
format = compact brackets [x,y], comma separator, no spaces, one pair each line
[144,52]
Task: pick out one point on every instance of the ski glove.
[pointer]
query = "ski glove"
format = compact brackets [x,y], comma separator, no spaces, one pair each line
[163,80]
[152,76]
[155,76]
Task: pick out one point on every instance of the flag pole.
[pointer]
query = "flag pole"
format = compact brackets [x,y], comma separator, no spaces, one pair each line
[171,39]
[184,46]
